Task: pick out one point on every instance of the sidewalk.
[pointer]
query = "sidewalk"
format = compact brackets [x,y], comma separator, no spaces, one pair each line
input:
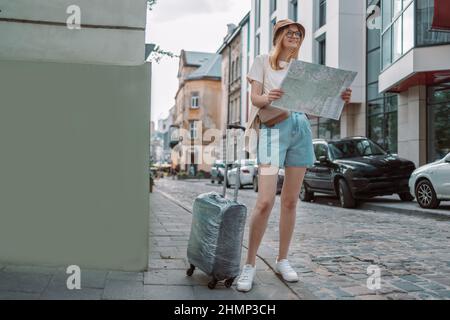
[169,233]
[165,280]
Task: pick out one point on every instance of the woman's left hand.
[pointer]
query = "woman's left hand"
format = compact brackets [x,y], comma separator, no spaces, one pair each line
[347,95]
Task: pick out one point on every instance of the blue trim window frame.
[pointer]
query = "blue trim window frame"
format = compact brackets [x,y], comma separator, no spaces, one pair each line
[257,14]
[293,10]
[272,25]
[257,45]
[322,13]
[322,49]
[397,31]
[438,121]
[273,6]
[257,48]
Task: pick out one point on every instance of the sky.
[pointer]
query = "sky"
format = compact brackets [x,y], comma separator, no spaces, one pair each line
[192,25]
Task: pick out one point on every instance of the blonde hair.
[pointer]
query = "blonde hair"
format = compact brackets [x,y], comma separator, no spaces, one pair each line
[278,48]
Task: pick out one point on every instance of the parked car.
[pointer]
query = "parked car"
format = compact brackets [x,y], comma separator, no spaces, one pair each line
[217,171]
[356,168]
[431,183]
[249,169]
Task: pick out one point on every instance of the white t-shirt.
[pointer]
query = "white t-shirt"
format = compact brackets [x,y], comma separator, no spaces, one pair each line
[262,71]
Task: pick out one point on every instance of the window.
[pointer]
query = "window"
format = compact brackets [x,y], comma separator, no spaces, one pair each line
[424,15]
[257,45]
[387,49]
[238,69]
[438,108]
[232,72]
[257,14]
[293,10]
[195,100]
[398,29]
[386,13]
[322,56]
[193,130]
[273,6]
[323,128]
[383,122]
[322,13]
[381,108]
[272,25]
[408,29]
[321,150]
[397,39]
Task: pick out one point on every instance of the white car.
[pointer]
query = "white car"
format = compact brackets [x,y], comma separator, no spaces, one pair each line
[431,183]
[249,169]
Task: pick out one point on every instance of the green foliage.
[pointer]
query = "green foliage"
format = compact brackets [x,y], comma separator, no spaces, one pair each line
[151,4]
[158,53]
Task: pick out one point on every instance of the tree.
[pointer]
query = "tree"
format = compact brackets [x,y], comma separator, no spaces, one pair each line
[158,53]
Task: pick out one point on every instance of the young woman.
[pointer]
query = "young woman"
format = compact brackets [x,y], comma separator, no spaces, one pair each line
[293,143]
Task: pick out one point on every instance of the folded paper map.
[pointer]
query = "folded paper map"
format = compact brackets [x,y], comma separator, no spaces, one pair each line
[314,89]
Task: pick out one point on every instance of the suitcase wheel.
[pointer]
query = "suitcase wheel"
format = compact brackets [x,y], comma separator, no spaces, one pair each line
[190,271]
[212,284]
[229,282]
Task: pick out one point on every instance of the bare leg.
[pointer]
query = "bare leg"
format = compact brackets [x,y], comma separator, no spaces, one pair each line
[267,189]
[293,179]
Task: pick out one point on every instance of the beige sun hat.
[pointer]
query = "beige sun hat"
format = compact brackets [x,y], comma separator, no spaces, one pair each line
[285,23]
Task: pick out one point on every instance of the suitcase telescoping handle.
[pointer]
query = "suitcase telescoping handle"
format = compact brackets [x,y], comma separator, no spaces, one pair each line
[238,169]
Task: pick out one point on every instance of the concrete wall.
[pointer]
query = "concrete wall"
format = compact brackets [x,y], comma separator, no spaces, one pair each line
[113,31]
[74,171]
[412,115]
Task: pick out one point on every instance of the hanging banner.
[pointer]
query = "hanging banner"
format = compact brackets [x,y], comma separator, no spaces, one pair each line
[441,19]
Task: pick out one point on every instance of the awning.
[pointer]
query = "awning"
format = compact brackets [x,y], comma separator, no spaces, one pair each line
[441,19]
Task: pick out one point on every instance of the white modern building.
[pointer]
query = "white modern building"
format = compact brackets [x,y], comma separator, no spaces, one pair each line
[400,50]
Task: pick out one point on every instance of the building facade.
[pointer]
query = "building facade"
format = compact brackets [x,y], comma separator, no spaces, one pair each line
[400,51]
[414,69]
[198,108]
[235,54]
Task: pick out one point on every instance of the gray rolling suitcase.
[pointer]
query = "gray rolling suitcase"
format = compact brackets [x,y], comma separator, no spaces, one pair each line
[215,242]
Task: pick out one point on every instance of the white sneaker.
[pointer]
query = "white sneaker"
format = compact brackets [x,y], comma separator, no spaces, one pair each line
[287,272]
[245,280]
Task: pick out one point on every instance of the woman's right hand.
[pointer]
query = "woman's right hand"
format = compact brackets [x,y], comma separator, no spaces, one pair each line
[274,94]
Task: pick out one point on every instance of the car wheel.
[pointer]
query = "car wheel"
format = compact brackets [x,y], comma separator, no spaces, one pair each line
[426,196]
[255,184]
[345,196]
[305,194]
[406,196]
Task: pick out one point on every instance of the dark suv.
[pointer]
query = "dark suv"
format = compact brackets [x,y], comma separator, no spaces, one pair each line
[356,168]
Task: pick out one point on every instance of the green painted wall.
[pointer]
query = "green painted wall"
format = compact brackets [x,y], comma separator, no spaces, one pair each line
[74,148]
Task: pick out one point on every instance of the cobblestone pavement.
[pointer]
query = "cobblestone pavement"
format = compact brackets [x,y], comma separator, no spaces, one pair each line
[333,247]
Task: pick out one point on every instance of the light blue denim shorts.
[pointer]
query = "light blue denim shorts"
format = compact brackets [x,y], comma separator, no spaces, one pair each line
[287,144]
